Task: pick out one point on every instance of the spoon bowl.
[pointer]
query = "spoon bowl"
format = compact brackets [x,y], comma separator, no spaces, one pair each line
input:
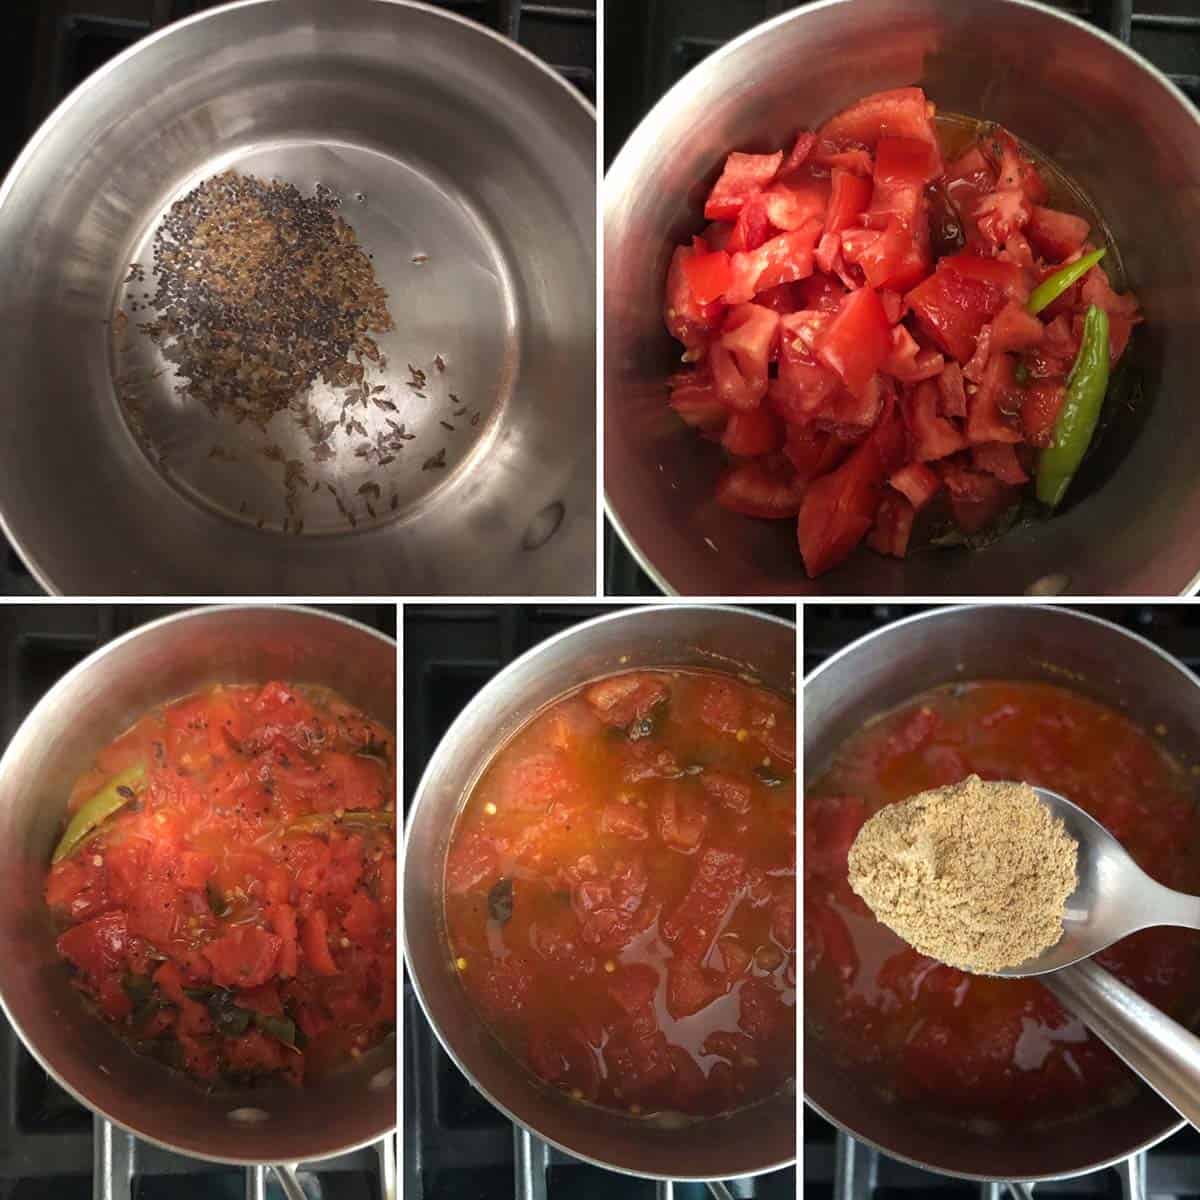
[1113,896]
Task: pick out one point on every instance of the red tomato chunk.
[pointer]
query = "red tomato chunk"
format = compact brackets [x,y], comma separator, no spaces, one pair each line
[236,917]
[968,1048]
[881,268]
[661,888]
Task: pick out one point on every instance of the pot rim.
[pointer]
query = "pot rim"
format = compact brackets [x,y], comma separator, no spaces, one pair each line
[61,684]
[650,128]
[512,667]
[97,78]
[1058,610]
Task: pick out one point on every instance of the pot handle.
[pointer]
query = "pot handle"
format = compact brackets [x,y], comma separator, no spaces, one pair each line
[1131,1172]
[1159,1049]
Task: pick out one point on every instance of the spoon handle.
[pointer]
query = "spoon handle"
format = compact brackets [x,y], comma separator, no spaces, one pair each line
[1159,1049]
[1173,908]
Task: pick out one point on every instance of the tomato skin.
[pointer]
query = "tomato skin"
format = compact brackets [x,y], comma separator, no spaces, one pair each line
[856,342]
[743,176]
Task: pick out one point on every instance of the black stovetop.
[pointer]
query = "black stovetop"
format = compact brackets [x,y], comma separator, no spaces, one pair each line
[651,44]
[456,1146]
[833,1166]
[47,1143]
[48,47]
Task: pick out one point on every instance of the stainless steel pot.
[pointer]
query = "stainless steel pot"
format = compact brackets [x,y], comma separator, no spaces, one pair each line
[756,1139]
[465,166]
[85,710]
[992,642]
[1105,115]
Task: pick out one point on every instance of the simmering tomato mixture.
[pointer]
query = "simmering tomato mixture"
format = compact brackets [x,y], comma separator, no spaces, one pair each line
[888,326]
[974,1046]
[620,893]
[227,883]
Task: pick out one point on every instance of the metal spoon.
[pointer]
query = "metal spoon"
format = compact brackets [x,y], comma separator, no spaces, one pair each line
[1114,898]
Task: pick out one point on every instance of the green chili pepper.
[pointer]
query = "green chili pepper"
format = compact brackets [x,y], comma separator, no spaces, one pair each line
[355,818]
[1077,418]
[1050,289]
[111,798]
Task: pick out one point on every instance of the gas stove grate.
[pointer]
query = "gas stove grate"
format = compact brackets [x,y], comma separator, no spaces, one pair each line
[455,1143]
[651,44]
[52,1147]
[837,1166]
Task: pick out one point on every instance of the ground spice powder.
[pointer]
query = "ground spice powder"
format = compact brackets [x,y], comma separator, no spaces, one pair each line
[976,874]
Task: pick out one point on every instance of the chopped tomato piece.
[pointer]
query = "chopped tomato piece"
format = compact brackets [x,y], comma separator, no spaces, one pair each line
[906,160]
[933,437]
[917,483]
[690,987]
[693,923]
[688,321]
[839,507]
[999,459]
[907,362]
[694,399]
[751,229]
[244,958]
[856,342]
[1056,235]
[783,259]
[952,391]
[1039,410]
[742,177]
[767,489]
[813,451]
[622,699]
[993,411]
[798,155]
[682,817]
[793,205]
[893,526]
[848,199]
[314,941]
[977,499]
[708,275]
[754,433]
[740,356]
[902,112]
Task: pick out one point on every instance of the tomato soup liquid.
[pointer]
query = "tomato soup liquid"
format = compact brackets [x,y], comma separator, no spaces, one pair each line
[972,1047]
[621,908]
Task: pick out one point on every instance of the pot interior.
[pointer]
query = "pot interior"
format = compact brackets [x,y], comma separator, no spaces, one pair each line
[1103,115]
[755,1139]
[464,167]
[1022,643]
[77,718]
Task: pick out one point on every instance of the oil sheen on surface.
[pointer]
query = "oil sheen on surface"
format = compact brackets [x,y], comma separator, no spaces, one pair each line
[620,893]
[237,916]
[969,1047]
